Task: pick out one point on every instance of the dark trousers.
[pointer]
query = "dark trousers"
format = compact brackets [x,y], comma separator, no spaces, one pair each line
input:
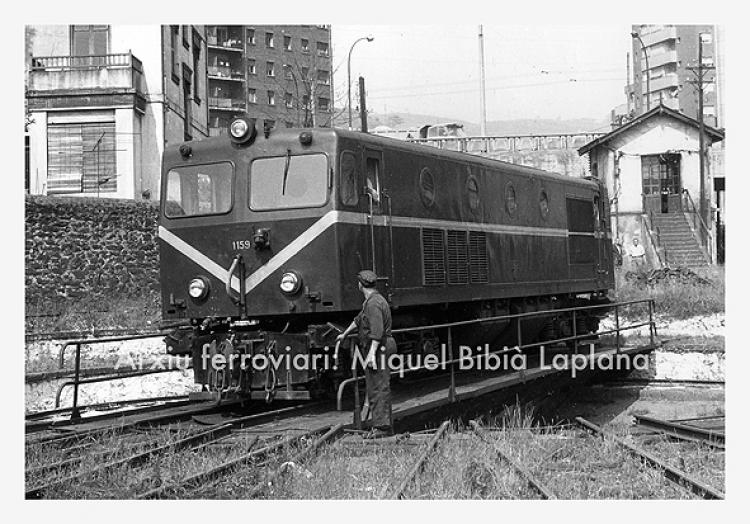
[378,382]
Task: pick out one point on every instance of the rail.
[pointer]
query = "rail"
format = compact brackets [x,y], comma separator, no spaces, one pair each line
[706,237]
[675,475]
[75,413]
[518,317]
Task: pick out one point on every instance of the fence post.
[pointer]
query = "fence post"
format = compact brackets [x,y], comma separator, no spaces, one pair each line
[75,414]
[520,339]
[452,389]
[651,321]
[357,410]
[617,328]
[575,334]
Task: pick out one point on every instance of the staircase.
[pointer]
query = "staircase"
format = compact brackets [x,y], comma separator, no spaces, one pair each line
[674,235]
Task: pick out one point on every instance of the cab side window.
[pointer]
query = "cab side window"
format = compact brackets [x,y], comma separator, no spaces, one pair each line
[372,181]
[349,175]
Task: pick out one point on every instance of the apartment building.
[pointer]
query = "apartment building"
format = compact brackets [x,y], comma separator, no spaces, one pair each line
[104,100]
[663,56]
[278,75]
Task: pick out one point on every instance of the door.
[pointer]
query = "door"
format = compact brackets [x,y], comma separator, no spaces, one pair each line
[662,187]
[380,229]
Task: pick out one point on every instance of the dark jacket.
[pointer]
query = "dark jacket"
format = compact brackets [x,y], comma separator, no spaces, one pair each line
[374,321]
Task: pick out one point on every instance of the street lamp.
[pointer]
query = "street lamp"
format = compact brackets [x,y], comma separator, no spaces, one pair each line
[648,72]
[349,74]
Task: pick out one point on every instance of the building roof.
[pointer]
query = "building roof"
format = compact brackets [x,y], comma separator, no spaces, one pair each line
[714,134]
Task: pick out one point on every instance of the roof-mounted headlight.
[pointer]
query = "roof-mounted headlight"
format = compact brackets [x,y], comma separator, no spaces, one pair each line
[242,130]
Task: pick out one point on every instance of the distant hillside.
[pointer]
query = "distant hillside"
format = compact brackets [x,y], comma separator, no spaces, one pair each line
[497,127]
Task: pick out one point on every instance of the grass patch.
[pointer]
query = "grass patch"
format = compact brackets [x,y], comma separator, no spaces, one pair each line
[675,299]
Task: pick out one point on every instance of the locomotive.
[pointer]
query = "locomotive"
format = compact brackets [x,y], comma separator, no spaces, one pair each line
[261,235]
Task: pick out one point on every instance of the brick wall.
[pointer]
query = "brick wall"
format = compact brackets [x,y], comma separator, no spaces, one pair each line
[90,248]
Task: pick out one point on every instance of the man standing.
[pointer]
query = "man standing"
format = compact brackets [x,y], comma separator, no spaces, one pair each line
[374,329]
[638,255]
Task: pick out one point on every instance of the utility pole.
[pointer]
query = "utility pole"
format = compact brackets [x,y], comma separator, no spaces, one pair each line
[362,105]
[700,71]
[482,100]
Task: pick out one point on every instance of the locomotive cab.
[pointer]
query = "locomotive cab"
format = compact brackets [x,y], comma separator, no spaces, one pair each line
[246,244]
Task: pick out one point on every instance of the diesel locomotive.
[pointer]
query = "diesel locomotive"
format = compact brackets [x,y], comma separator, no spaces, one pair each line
[262,233]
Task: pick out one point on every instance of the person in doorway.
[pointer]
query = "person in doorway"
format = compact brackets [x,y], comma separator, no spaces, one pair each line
[638,255]
[373,325]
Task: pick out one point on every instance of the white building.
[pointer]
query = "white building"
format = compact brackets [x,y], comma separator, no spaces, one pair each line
[651,167]
[103,101]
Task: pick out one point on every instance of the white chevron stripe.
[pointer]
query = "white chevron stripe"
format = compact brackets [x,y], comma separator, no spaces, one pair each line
[326,221]
[197,257]
[292,249]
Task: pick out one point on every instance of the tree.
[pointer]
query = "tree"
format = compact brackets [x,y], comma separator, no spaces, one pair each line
[302,83]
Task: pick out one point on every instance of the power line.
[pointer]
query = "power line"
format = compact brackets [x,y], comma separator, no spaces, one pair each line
[495,79]
[500,88]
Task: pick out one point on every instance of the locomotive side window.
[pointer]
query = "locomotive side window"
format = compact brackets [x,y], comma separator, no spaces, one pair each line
[349,176]
[289,181]
[510,199]
[426,187]
[373,179]
[199,190]
[544,204]
[472,190]
[581,242]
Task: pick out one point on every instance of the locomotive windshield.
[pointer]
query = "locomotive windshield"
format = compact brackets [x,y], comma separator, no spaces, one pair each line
[288,181]
[199,190]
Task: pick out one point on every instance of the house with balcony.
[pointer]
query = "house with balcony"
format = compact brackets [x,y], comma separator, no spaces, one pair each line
[651,168]
[103,101]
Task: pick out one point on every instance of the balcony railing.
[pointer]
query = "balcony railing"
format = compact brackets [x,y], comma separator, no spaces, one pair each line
[659,59]
[657,34]
[86,72]
[225,72]
[230,104]
[662,82]
[234,43]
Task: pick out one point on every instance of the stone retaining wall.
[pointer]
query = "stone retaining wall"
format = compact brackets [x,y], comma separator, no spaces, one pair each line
[90,248]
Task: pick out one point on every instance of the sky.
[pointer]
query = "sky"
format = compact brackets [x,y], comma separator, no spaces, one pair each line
[531,71]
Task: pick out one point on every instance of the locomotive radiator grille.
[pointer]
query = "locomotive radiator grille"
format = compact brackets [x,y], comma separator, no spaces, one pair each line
[433,257]
[458,257]
[479,271]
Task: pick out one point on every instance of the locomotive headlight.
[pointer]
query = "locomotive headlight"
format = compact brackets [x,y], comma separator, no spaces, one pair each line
[238,128]
[198,288]
[290,282]
[242,131]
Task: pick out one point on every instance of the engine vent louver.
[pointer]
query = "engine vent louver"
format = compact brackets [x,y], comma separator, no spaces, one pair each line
[458,258]
[433,257]
[478,265]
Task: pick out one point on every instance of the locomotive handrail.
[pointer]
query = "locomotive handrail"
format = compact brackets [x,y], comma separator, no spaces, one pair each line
[518,316]
[232,269]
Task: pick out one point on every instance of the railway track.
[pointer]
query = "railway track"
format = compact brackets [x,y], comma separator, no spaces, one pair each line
[72,470]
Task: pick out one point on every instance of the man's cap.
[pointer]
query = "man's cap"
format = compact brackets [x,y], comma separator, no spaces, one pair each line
[367,278]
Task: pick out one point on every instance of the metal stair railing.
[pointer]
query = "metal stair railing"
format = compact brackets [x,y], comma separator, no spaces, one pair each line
[705,237]
[656,244]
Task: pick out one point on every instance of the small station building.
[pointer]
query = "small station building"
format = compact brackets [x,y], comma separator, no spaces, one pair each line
[651,168]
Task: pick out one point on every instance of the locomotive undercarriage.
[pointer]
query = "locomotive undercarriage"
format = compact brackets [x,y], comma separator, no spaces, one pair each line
[271,359]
